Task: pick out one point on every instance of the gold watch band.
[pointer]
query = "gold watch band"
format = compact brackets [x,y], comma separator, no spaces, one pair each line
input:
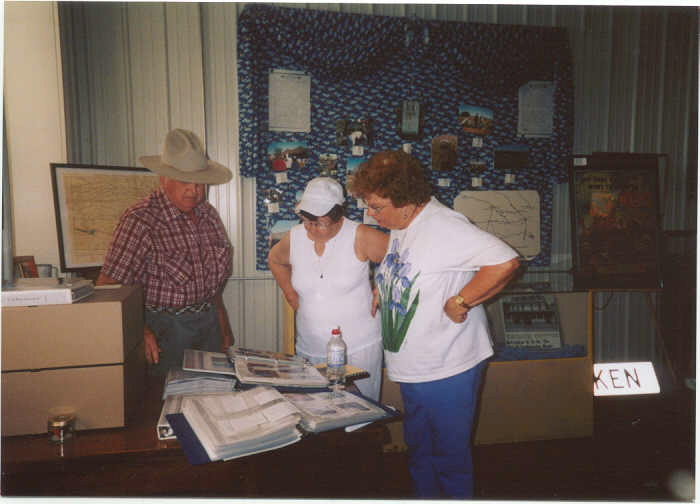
[460,302]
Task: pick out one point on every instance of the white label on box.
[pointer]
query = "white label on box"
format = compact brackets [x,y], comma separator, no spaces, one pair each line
[444,182]
[624,378]
[539,340]
[281,178]
[358,150]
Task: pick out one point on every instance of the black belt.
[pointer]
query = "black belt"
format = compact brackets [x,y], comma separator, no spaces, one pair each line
[193,308]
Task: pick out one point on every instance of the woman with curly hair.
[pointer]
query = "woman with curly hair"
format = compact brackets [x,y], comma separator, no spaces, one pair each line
[439,269]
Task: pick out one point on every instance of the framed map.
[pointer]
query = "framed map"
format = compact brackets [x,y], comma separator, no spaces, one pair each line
[513,216]
[88,201]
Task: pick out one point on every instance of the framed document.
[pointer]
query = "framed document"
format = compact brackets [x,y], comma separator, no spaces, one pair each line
[89,200]
[615,221]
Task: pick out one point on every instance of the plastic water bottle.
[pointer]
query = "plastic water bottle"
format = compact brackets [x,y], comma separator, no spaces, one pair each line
[336,354]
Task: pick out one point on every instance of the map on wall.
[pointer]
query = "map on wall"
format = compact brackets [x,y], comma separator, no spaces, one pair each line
[513,216]
[89,202]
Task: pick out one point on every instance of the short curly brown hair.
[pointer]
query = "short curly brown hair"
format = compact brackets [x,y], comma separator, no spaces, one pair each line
[394,175]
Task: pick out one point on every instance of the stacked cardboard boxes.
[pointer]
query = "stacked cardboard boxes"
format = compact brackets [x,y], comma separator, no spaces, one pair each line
[86,357]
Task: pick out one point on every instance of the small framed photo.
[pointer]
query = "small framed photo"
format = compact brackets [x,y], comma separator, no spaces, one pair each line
[88,201]
[25,267]
[616,225]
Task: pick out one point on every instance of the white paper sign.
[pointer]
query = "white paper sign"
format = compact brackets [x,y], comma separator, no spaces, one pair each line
[289,103]
[624,378]
[536,109]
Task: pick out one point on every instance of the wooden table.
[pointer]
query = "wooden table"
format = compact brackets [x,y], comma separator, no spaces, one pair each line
[131,461]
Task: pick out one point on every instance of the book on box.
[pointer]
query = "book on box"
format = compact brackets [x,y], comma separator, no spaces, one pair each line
[45,291]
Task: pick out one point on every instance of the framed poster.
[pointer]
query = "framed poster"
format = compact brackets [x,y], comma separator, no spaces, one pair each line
[615,221]
[88,201]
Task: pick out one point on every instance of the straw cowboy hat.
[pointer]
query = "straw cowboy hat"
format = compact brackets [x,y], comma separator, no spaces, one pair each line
[184,159]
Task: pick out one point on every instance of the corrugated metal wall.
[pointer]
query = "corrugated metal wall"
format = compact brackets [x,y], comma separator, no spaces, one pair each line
[138,69]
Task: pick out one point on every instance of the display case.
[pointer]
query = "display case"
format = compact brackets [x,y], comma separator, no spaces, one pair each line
[538,385]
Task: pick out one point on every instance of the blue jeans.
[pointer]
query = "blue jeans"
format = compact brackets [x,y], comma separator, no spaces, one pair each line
[175,333]
[437,428]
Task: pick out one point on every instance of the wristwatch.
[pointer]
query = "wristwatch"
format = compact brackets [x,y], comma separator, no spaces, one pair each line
[460,301]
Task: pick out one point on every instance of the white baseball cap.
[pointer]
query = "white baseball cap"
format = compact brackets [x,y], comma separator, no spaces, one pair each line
[320,196]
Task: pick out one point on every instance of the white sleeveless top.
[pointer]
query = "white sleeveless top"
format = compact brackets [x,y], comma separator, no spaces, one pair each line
[334,290]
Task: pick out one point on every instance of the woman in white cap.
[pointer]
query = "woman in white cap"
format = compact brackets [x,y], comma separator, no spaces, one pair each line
[322,267]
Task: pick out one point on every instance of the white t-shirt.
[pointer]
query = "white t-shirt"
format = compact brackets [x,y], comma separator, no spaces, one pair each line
[334,290]
[428,262]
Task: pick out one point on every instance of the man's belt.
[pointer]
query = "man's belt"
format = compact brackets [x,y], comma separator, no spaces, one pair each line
[179,310]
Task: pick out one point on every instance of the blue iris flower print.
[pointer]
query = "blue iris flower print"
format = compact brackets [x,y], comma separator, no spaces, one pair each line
[395,293]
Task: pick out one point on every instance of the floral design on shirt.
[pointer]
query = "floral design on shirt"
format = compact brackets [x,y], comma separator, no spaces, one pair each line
[395,287]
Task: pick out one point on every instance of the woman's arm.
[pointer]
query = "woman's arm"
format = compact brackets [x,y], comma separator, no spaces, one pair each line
[370,244]
[487,282]
[280,267]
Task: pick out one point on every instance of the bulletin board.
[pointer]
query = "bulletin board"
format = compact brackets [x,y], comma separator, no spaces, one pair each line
[363,68]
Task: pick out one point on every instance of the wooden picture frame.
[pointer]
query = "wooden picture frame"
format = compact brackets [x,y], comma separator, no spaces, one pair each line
[616,224]
[88,201]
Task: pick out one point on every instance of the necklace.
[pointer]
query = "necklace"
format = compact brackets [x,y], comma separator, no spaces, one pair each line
[321,259]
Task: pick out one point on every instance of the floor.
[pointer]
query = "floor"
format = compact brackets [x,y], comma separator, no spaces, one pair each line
[643,449]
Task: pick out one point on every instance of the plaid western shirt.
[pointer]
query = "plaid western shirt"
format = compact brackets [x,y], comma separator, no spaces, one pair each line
[178,260]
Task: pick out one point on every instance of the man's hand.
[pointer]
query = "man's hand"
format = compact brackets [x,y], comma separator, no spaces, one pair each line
[150,346]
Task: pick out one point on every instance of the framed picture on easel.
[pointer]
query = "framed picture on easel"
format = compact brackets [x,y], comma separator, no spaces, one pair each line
[616,224]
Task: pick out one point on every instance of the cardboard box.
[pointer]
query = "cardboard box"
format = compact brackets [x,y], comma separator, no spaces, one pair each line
[530,400]
[87,356]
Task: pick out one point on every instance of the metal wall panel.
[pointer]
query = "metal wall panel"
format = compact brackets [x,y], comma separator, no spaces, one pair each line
[107,60]
[185,88]
[148,81]
[623,78]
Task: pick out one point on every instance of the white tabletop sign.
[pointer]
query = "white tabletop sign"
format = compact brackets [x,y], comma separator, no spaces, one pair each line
[624,378]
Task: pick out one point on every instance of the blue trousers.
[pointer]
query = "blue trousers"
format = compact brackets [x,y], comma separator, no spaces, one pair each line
[437,428]
[175,333]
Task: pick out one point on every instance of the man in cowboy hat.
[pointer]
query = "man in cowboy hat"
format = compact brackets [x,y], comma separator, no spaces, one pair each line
[174,245]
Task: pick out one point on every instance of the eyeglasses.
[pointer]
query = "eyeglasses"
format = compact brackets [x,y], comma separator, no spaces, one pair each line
[315,224]
[375,209]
